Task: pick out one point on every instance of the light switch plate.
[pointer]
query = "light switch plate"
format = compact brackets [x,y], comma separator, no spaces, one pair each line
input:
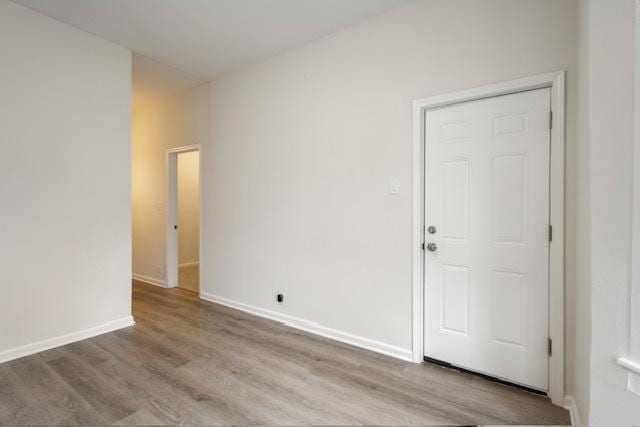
[394,186]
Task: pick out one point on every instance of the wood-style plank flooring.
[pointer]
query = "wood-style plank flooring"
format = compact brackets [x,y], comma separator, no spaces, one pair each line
[191,362]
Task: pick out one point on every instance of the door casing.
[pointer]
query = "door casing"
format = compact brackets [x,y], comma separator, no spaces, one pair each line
[555,81]
[172,213]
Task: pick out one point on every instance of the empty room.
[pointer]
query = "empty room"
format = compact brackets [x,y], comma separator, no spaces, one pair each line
[320,212]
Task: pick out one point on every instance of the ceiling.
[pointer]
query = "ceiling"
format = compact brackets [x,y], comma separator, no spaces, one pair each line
[205,38]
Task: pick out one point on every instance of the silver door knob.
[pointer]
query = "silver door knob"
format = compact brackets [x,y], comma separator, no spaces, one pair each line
[432,247]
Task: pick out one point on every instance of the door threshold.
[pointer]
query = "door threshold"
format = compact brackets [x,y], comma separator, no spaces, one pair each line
[485,376]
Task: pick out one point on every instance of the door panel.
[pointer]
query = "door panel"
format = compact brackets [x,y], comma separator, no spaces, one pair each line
[487,195]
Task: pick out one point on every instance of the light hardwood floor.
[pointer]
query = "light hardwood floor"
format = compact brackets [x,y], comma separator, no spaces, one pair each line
[191,362]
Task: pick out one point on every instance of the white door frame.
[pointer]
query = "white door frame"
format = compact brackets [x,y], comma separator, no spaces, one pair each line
[172,213]
[555,81]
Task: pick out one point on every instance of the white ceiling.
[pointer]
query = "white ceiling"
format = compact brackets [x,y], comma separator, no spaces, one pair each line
[206,38]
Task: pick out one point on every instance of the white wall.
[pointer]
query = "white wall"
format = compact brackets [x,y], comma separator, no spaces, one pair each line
[188,207]
[578,310]
[65,220]
[303,146]
[182,119]
[611,107]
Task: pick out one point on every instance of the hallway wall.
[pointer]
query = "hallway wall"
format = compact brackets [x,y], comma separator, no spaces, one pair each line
[175,121]
[188,207]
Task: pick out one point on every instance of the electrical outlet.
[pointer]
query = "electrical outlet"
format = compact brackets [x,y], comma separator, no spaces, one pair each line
[280,298]
[160,269]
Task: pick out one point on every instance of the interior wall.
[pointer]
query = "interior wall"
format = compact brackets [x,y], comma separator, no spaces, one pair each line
[176,121]
[296,178]
[578,314]
[611,108]
[188,207]
[65,221]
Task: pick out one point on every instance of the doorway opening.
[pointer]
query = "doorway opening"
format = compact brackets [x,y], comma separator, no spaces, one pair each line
[183,218]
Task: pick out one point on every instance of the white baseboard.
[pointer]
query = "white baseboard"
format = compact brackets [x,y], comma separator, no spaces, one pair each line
[149,280]
[188,264]
[37,347]
[571,406]
[314,328]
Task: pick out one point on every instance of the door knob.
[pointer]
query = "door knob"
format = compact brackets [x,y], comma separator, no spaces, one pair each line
[432,247]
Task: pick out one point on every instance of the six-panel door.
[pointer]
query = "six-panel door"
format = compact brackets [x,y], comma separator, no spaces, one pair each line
[487,196]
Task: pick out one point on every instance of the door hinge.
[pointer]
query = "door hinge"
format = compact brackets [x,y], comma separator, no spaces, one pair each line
[550,233]
[550,119]
[549,346]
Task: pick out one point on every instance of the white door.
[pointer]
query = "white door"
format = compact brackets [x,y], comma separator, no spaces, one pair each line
[487,272]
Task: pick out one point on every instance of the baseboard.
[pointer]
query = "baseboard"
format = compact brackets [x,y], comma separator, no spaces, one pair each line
[571,406]
[188,264]
[149,280]
[37,347]
[314,328]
